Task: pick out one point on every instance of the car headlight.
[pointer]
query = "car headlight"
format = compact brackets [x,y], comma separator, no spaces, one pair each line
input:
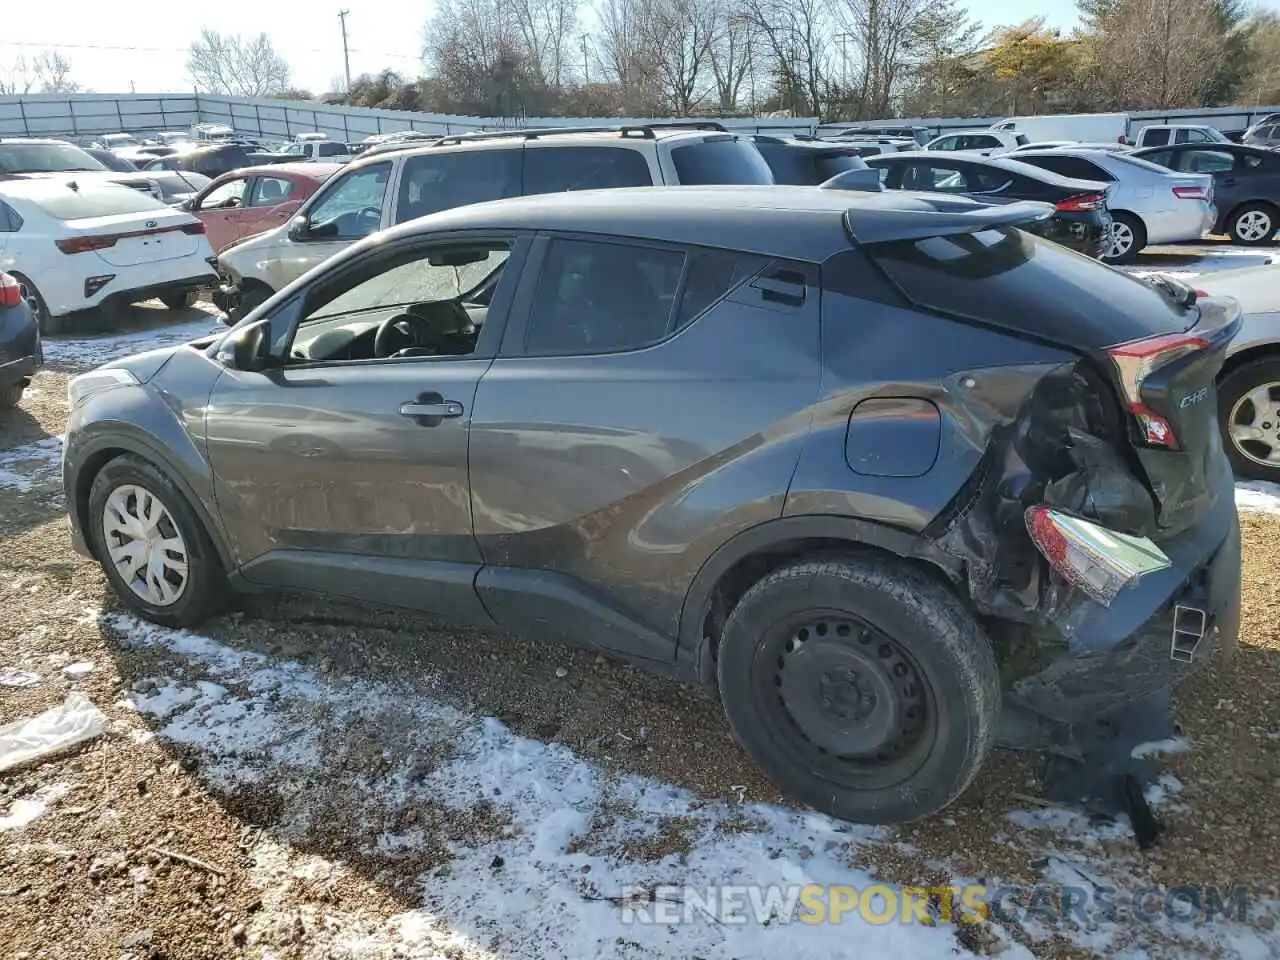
[86,385]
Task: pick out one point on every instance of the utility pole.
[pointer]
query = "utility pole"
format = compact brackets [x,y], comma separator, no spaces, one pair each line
[586,66]
[346,54]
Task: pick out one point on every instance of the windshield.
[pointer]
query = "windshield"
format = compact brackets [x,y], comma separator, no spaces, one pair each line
[721,161]
[44,158]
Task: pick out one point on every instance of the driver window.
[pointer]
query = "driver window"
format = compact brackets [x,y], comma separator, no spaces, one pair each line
[230,194]
[352,208]
[424,303]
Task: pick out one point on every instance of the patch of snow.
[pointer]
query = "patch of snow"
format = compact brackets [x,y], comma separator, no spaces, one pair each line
[550,894]
[34,466]
[1258,496]
[1157,748]
[77,670]
[23,811]
[89,352]
[13,677]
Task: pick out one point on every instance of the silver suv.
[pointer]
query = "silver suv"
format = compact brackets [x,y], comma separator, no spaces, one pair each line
[393,187]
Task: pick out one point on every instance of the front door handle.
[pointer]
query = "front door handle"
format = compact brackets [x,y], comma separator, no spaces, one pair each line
[428,409]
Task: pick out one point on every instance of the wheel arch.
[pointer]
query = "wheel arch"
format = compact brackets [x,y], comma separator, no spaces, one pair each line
[1262,351]
[737,564]
[102,450]
[1226,219]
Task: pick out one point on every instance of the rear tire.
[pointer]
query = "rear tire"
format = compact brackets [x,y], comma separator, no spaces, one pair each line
[11,395]
[137,511]
[1248,432]
[1129,236]
[1254,224]
[862,686]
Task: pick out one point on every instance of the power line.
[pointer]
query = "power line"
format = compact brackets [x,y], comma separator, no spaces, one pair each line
[132,49]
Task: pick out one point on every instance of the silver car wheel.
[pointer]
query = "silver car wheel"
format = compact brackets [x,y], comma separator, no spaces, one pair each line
[1255,225]
[144,545]
[1121,240]
[1254,427]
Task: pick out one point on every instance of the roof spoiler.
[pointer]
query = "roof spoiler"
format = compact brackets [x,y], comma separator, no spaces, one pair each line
[917,216]
[867,180]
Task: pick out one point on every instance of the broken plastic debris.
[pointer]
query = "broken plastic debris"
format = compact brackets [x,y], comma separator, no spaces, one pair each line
[13,677]
[76,721]
[82,669]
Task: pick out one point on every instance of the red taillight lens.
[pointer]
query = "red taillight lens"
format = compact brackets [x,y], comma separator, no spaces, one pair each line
[1099,561]
[1191,193]
[85,244]
[1082,203]
[194,229]
[1137,360]
[10,292]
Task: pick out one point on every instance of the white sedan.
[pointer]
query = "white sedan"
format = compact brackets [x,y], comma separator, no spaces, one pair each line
[78,245]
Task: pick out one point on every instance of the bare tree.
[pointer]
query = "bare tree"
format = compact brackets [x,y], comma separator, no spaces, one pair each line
[797,35]
[623,45]
[681,35]
[546,29]
[48,72]
[236,66]
[732,56]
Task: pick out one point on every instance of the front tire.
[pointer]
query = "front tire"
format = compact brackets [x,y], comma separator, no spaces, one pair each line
[862,686]
[179,301]
[1254,224]
[1249,418]
[250,300]
[1128,237]
[152,547]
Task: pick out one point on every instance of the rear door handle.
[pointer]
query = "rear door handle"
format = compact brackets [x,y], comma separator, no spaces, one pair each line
[444,408]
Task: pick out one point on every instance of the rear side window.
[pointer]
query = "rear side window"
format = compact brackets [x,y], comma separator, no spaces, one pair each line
[831,164]
[597,297]
[1021,140]
[440,181]
[1155,138]
[1206,161]
[720,161]
[1007,276]
[1077,168]
[557,169]
[713,274]
[1163,158]
[333,149]
[105,202]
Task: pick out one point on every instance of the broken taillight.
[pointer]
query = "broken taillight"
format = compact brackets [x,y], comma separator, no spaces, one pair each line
[1082,203]
[1099,561]
[1135,361]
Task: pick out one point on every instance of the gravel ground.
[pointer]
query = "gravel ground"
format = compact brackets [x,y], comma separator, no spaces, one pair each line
[306,779]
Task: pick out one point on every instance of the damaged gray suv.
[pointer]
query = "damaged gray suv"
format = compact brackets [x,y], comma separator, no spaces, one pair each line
[871,466]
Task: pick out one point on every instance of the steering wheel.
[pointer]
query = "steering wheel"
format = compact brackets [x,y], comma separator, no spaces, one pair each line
[371,214]
[400,332]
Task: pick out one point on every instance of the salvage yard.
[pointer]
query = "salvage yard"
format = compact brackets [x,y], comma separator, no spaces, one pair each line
[308,780]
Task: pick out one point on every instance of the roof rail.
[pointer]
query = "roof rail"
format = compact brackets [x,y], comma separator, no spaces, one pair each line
[527,133]
[646,129]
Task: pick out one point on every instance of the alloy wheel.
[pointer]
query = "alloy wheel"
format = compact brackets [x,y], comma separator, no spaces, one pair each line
[145,545]
[1120,240]
[1254,425]
[1255,226]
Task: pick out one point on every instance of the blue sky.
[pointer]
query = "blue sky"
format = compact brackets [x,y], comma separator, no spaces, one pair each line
[147,50]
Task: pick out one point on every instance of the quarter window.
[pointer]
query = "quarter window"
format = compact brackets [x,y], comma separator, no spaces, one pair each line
[1207,161]
[228,195]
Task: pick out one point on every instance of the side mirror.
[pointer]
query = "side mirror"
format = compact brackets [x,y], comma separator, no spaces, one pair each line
[299,227]
[247,348]
[187,204]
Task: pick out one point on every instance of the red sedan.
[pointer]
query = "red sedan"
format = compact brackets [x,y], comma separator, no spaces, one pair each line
[256,199]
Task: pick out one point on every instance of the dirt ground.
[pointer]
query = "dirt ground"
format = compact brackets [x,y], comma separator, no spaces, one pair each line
[150,849]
